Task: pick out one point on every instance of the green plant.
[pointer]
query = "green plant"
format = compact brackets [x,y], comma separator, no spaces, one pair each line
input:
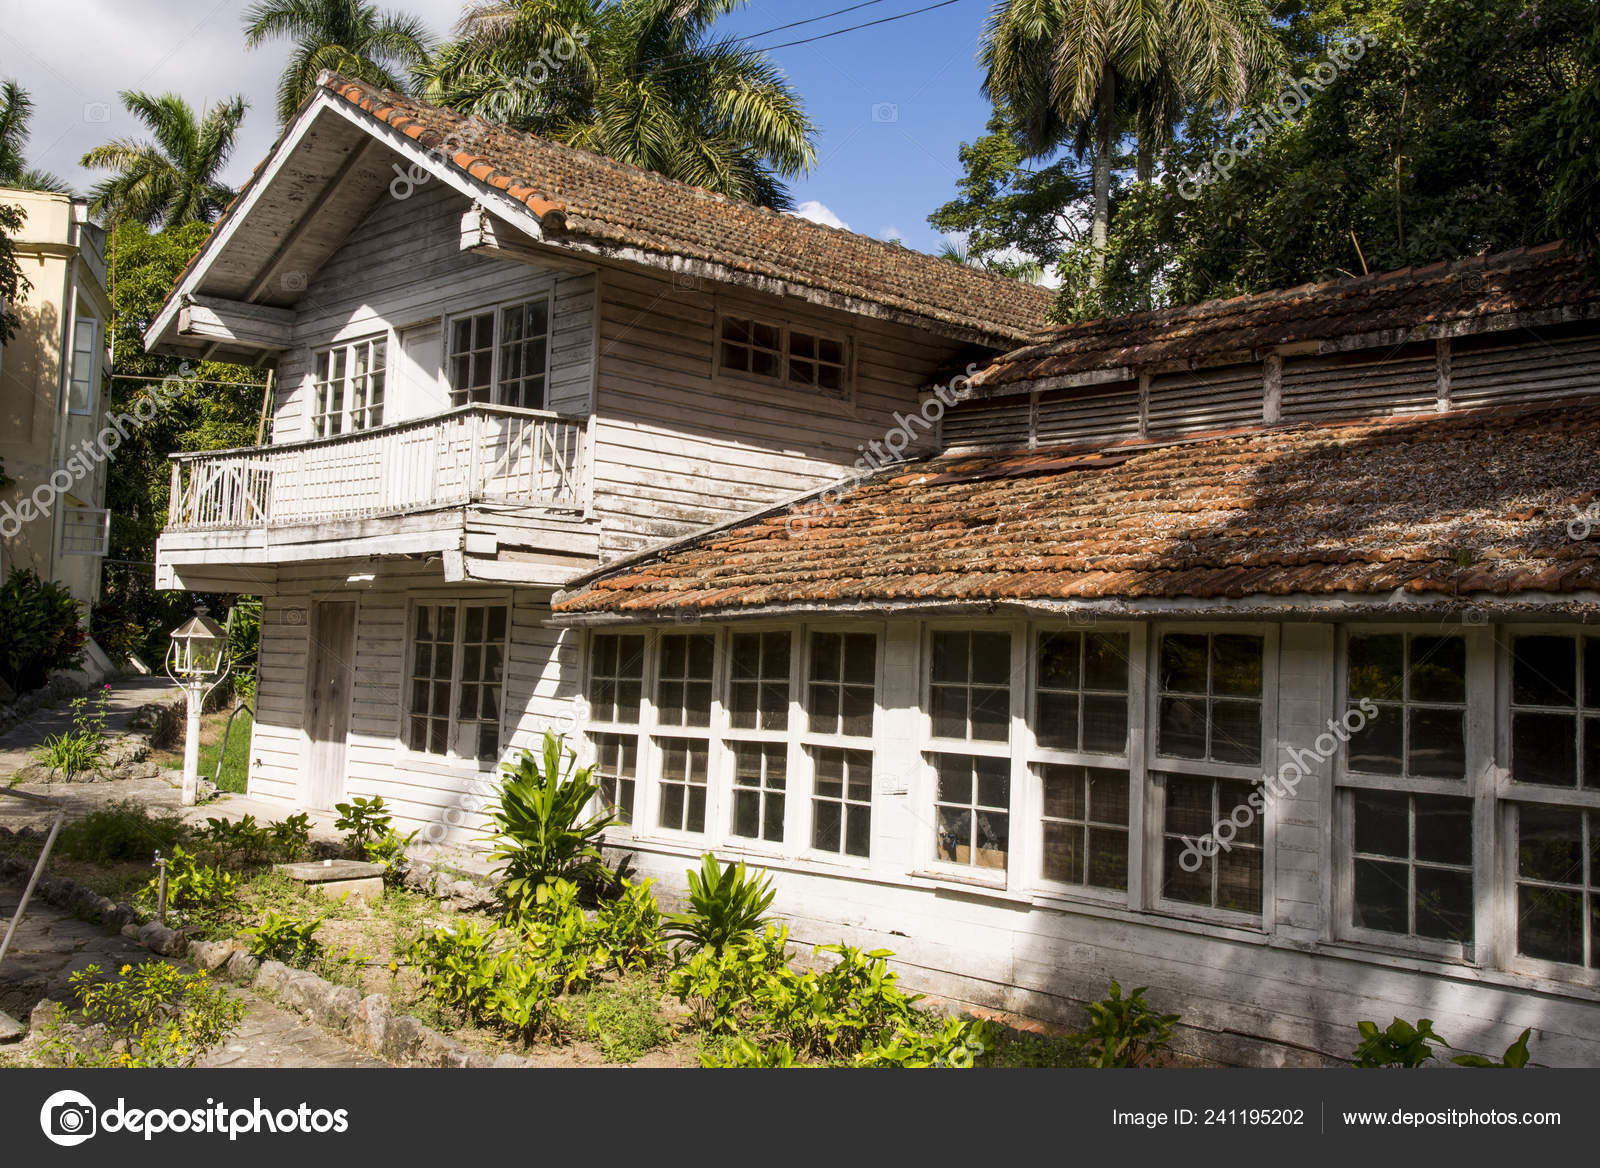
[390,851]
[364,821]
[193,885]
[726,905]
[628,927]
[835,1012]
[621,1021]
[541,832]
[84,747]
[286,939]
[1399,1044]
[155,1016]
[290,838]
[455,965]
[956,1043]
[119,832]
[719,985]
[508,988]
[243,839]
[743,1054]
[1515,1058]
[44,630]
[1124,1031]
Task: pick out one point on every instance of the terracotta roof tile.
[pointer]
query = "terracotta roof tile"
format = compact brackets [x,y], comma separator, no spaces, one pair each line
[1467,502]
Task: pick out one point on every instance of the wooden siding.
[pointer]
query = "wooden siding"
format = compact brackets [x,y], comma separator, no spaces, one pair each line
[1548,366]
[1356,385]
[1205,399]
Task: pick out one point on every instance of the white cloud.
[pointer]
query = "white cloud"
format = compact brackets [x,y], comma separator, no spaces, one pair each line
[819,213]
[892,233]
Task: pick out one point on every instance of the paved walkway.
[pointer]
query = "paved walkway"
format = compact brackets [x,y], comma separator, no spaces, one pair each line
[127,695]
[50,945]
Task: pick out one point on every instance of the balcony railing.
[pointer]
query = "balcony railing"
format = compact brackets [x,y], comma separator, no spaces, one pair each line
[472,454]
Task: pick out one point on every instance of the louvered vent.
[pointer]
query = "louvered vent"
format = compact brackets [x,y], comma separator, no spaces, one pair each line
[1206,399]
[1344,387]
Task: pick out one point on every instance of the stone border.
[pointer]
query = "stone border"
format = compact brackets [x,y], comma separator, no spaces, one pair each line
[370,1023]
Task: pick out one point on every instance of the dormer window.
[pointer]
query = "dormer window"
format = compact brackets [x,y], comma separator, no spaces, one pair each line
[501,355]
[788,356]
[348,387]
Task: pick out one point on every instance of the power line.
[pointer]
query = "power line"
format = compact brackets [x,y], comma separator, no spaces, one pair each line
[810,20]
[852,28]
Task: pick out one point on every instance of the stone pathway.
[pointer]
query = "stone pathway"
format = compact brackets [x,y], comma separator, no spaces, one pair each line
[127,695]
[50,945]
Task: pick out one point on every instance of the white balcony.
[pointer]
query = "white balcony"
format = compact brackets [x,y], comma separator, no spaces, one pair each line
[465,483]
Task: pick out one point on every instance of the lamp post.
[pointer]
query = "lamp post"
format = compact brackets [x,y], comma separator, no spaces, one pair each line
[197,664]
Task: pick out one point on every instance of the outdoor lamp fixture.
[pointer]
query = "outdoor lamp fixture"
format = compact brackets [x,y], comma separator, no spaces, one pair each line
[197,664]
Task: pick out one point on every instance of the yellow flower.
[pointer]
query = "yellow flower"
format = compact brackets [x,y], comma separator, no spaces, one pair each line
[126,970]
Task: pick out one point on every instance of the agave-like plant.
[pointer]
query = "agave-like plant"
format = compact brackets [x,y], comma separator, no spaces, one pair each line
[727,904]
[542,830]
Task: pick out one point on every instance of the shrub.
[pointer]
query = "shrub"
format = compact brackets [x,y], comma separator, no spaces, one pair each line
[291,838]
[241,840]
[726,906]
[628,928]
[743,1054]
[159,1016]
[622,1022]
[363,821]
[1400,1044]
[193,885]
[541,831]
[1124,1031]
[286,939]
[1514,1059]
[465,969]
[120,832]
[43,628]
[83,747]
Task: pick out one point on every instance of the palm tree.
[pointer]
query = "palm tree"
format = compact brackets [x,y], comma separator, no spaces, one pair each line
[1077,72]
[172,180]
[643,81]
[16,112]
[347,36]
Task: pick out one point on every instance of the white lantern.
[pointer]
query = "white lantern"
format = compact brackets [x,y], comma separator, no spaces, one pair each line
[197,646]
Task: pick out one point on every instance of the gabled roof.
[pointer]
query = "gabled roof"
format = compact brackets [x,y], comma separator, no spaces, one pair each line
[1468,504]
[566,199]
[1541,285]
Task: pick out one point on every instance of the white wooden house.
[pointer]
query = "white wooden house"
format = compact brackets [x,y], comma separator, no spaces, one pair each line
[1238,651]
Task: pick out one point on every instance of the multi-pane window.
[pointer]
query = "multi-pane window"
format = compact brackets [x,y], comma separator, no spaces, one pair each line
[1221,873]
[685,677]
[760,782]
[1555,711]
[841,800]
[524,354]
[1085,825]
[616,771]
[85,368]
[970,685]
[1419,686]
[1081,692]
[684,762]
[796,357]
[471,358]
[758,687]
[616,677]
[1210,697]
[1558,884]
[844,671]
[457,676]
[972,809]
[1412,864]
[348,387]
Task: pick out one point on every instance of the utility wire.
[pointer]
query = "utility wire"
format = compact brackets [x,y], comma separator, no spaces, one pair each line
[852,28]
[810,20]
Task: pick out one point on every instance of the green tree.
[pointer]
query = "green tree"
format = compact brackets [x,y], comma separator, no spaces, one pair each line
[347,36]
[646,82]
[12,282]
[172,180]
[16,114]
[1077,73]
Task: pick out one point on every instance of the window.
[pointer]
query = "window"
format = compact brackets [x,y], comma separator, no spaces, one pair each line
[683,784]
[1085,826]
[501,355]
[841,801]
[970,688]
[1413,864]
[616,772]
[1210,697]
[758,697]
[972,804]
[683,690]
[348,387]
[85,367]
[457,672]
[1419,685]
[85,531]
[760,771]
[1558,885]
[615,697]
[1230,877]
[1081,695]
[685,677]
[1555,736]
[798,358]
[841,694]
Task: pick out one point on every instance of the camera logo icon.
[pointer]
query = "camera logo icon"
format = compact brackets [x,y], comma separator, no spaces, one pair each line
[885,113]
[68,1118]
[96,111]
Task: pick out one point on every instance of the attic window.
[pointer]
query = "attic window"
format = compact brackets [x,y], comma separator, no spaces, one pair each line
[802,360]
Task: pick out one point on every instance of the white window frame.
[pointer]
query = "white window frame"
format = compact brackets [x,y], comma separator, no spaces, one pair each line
[450,757]
[786,331]
[726,772]
[1477,785]
[658,732]
[496,373]
[1159,766]
[99,518]
[593,725]
[351,420]
[91,378]
[807,741]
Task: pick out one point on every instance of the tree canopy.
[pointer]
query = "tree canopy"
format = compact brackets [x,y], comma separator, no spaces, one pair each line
[172,180]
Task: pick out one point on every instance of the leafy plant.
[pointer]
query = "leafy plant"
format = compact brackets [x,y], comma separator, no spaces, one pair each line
[193,885]
[243,839]
[628,927]
[743,1054]
[291,838]
[726,905]
[621,1020]
[1124,1031]
[364,821]
[509,988]
[44,630]
[541,828]
[956,1044]
[286,939]
[719,985]
[390,851]
[84,747]
[1515,1058]
[121,831]
[155,1016]
[1400,1044]
[455,965]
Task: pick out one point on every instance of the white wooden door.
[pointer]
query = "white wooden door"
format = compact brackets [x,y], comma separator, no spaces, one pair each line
[422,390]
[331,681]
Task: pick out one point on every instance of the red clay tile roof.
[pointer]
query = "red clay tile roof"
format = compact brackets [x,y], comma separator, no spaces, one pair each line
[1476,502]
[1412,301]
[617,204]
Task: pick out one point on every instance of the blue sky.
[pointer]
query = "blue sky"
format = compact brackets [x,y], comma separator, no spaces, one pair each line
[891,103]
